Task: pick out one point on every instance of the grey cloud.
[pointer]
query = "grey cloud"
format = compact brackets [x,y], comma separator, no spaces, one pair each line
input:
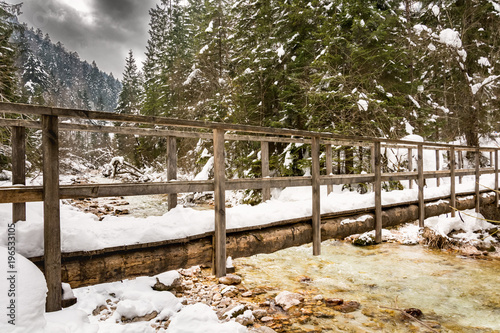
[118,25]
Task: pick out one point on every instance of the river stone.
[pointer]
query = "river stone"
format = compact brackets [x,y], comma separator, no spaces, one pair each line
[286,299]
[347,307]
[230,279]
[262,329]
[259,313]
[333,301]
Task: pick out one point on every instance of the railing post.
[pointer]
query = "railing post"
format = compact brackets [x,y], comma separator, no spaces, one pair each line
[410,166]
[497,195]
[421,202]
[460,164]
[452,181]
[172,168]
[219,264]
[316,206]
[438,182]
[264,156]
[477,177]
[377,189]
[18,141]
[51,213]
[329,165]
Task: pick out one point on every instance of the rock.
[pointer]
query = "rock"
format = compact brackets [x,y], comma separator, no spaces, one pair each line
[190,272]
[333,301]
[266,319]
[287,299]
[146,317]
[217,297]
[318,298]
[364,240]
[414,312]
[347,307]
[262,329]
[175,286]
[304,279]
[259,313]
[229,291]
[99,309]
[247,294]
[230,279]
[246,319]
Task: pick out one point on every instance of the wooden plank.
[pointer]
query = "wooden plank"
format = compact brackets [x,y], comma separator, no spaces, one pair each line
[421,204]
[346,179]
[258,183]
[316,197]
[452,182]
[410,166]
[264,155]
[162,121]
[172,168]
[329,165]
[18,143]
[477,177]
[377,189]
[497,195]
[219,265]
[460,165]
[438,182]
[51,212]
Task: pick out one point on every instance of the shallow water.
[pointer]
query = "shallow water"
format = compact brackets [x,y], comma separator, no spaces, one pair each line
[456,294]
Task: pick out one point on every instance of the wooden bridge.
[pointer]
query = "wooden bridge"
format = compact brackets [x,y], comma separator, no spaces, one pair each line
[53,120]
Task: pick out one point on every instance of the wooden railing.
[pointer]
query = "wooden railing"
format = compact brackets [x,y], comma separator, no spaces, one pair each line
[51,191]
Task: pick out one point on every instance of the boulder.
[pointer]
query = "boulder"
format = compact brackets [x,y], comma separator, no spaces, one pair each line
[287,299]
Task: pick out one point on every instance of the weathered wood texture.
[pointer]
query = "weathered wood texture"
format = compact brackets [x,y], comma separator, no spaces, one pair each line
[18,141]
[497,194]
[329,165]
[477,176]
[377,189]
[410,166]
[452,181]
[219,266]
[264,155]
[172,169]
[51,213]
[83,269]
[316,199]
[420,167]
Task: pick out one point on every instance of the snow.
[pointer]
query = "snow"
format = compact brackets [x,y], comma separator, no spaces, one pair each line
[414,101]
[199,318]
[204,174]
[363,105]
[484,62]
[450,37]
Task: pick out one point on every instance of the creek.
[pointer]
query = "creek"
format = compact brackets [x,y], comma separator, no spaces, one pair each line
[455,294]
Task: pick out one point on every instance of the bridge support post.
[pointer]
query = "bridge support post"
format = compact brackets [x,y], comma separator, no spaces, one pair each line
[477,177]
[410,166]
[316,206]
[452,181]
[460,164]
[219,243]
[329,165]
[496,178]
[18,141]
[264,155]
[172,168]
[438,182]
[421,202]
[51,213]
[377,189]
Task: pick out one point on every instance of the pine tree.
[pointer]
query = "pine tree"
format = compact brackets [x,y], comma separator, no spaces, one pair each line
[130,97]
[7,52]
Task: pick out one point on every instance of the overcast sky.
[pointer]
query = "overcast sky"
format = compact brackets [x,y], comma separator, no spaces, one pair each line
[100,30]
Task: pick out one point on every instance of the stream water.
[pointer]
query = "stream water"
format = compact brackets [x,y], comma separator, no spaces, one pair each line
[455,294]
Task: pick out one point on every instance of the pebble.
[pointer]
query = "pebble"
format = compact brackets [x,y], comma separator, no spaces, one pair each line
[230,279]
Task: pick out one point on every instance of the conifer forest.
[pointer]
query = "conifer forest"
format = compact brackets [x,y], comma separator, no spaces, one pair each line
[380,68]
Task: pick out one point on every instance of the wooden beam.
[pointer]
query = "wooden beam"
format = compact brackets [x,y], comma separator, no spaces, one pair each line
[329,165]
[410,166]
[18,169]
[172,168]
[421,203]
[377,189]
[264,155]
[452,182]
[460,164]
[437,167]
[316,197]
[497,195]
[219,265]
[477,178]
[51,212]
